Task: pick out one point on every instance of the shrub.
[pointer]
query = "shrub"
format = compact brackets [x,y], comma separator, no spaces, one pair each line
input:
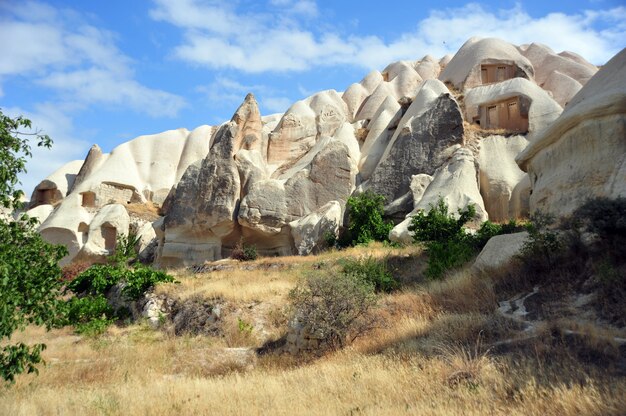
[366,223]
[372,271]
[90,312]
[444,256]
[543,246]
[330,238]
[438,224]
[333,307]
[606,218]
[96,280]
[449,246]
[141,278]
[244,252]
[125,249]
[90,315]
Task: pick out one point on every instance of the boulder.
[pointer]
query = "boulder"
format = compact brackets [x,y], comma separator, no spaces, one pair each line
[41,212]
[94,159]
[545,62]
[264,207]
[309,233]
[582,154]
[203,208]
[378,136]
[499,251]
[55,187]
[428,68]
[499,174]
[562,87]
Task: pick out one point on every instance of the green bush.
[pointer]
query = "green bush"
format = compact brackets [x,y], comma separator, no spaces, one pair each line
[366,223]
[542,249]
[30,278]
[449,255]
[439,225]
[244,252]
[96,280]
[606,218]
[90,315]
[448,244]
[372,271]
[89,311]
[141,278]
[333,307]
[125,249]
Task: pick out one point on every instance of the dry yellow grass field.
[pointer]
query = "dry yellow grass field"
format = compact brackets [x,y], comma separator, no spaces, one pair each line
[434,353]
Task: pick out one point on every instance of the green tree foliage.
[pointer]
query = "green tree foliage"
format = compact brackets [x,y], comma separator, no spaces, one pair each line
[91,316]
[30,282]
[14,149]
[448,244]
[366,221]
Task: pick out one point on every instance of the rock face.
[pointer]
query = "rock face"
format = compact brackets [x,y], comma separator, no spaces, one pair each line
[431,128]
[232,195]
[465,69]
[309,233]
[499,174]
[583,153]
[455,182]
[415,132]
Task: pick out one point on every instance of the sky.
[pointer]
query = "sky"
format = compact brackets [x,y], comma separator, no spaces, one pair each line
[105,72]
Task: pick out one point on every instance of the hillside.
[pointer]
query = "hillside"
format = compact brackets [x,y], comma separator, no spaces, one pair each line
[438,348]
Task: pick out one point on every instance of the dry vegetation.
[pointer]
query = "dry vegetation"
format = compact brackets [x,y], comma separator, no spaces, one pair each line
[439,349]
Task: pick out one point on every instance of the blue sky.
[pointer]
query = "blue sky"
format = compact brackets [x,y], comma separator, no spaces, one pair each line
[107,71]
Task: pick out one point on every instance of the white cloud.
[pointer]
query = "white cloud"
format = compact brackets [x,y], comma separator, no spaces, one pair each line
[226,91]
[219,36]
[50,120]
[57,49]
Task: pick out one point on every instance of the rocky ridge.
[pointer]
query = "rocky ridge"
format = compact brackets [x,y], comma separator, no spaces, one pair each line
[415,132]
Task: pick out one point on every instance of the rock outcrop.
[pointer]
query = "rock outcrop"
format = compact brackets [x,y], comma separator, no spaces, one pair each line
[583,153]
[415,132]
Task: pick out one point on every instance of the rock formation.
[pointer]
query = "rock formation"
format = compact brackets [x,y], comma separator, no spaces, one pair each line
[583,153]
[414,132]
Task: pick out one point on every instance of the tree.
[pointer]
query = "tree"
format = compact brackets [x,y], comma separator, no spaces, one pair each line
[30,284]
[366,222]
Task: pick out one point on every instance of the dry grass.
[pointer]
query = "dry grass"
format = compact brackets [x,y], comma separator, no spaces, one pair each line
[422,359]
[136,373]
[146,211]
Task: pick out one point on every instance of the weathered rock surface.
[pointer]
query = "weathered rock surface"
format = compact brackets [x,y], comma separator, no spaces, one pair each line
[55,187]
[500,250]
[456,183]
[583,153]
[309,233]
[542,109]
[464,69]
[281,182]
[421,147]
[499,174]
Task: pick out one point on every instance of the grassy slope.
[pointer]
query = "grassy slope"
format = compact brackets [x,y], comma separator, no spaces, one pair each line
[430,355]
